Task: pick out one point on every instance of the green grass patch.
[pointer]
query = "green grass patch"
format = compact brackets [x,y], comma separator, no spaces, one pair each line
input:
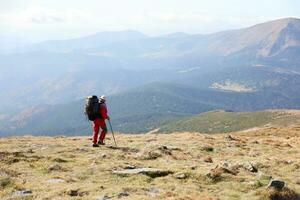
[225,122]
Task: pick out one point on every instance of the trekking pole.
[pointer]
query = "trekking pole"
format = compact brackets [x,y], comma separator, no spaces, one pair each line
[112,132]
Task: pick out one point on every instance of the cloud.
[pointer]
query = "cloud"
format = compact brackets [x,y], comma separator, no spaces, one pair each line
[180,17]
[41,15]
[46,19]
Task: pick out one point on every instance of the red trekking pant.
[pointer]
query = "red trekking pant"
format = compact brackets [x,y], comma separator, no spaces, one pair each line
[99,123]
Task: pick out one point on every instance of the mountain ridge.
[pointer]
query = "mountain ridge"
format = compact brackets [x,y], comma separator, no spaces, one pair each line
[227,80]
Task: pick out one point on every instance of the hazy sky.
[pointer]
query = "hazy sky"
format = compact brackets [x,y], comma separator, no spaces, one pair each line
[58,19]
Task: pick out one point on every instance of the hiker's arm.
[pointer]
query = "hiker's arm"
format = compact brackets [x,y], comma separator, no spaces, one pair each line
[103,111]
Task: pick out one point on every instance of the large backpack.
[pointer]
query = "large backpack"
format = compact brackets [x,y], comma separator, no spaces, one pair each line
[92,108]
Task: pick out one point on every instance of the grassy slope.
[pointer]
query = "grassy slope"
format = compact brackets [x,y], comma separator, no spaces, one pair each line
[26,163]
[223,122]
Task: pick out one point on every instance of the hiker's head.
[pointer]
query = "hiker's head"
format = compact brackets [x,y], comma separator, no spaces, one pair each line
[102,99]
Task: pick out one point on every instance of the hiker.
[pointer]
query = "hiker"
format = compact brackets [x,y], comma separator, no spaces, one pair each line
[100,123]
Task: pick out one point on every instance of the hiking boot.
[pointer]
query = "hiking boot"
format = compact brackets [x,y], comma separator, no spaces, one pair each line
[101,143]
[95,145]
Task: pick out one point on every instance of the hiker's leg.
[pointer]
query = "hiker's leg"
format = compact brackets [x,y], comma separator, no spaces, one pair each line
[103,133]
[96,131]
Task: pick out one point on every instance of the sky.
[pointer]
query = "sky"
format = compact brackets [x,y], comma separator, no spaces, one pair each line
[38,20]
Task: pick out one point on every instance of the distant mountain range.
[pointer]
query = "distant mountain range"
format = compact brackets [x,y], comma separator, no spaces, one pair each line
[247,69]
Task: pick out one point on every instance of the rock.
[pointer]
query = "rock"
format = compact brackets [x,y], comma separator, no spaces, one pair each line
[3,174]
[224,168]
[207,148]
[153,192]
[181,175]
[226,164]
[55,180]
[208,159]
[228,168]
[103,155]
[123,194]
[75,193]
[214,174]
[253,154]
[149,155]
[102,197]
[22,192]
[59,160]
[30,151]
[55,167]
[165,150]
[151,172]
[193,167]
[130,167]
[152,152]
[249,166]
[285,162]
[276,184]
[168,149]
[229,137]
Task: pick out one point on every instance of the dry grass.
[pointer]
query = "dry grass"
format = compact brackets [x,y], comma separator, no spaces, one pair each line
[69,168]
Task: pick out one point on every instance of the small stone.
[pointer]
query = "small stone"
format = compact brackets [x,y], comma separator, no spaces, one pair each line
[253,154]
[73,193]
[276,184]
[288,162]
[165,150]
[3,174]
[129,167]
[208,159]
[153,192]
[23,192]
[102,197]
[123,194]
[30,151]
[214,174]
[150,155]
[249,166]
[181,175]
[103,155]
[26,191]
[59,160]
[55,167]
[151,172]
[207,148]
[229,137]
[193,167]
[55,180]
